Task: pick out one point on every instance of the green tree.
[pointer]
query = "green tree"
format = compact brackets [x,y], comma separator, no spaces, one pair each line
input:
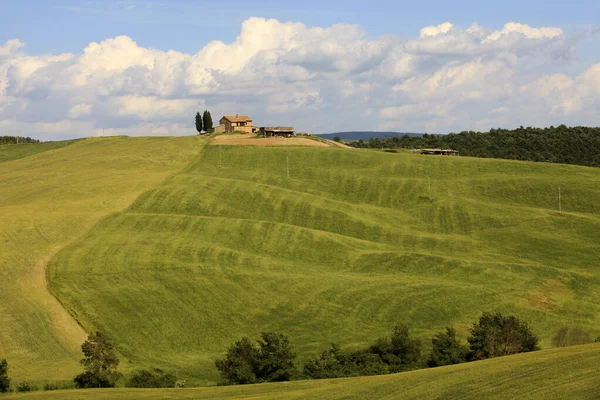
[495,335]
[337,139]
[276,358]
[100,363]
[4,379]
[271,361]
[400,352]
[240,364]
[208,123]
[198,123]
[446,349]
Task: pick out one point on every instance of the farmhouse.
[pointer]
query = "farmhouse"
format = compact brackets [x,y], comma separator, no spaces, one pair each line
[440,152]
[231,123]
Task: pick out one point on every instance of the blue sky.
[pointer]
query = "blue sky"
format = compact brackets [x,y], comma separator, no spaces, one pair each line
[186,25]
[72,68]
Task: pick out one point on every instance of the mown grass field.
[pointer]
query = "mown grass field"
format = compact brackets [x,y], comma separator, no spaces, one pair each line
[351,243]
[9,152]
[567,373]
[47,200]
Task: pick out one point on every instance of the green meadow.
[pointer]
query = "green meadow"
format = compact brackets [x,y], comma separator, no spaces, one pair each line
[325,245]
[50,195]
[567,373]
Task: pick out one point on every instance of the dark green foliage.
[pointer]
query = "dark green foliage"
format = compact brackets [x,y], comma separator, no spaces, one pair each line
[332,363]
[568,145]
[271,361]
[151,378]
[497,335]
[4,379]
[565,337]
[61,385]
[447,350]
[100,363]
[208,122]
[17,139]
[26,387]
[276,361]
[399,352]
[199,125]
[337,139]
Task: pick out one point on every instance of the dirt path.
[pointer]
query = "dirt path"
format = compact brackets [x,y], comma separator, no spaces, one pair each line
[245,140]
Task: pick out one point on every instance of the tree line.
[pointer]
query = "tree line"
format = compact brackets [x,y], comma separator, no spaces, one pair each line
[568,145]
[204,122]
[272,358]
[17,140]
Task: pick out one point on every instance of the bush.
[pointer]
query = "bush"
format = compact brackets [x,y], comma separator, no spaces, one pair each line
[337,139]
[447,350]
[4,379]
[497,335]
[58,386]
[26,387]
[271,361]
[152,378]
[180,383]
[399,352]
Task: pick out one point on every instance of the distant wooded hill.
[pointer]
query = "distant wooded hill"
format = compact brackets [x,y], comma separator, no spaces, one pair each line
[578,145]
[365,135]
[17,139]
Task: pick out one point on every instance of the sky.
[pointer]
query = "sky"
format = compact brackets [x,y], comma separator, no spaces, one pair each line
[79,68]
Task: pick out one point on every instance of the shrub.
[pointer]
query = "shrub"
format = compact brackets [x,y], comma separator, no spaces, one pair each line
[180,383]
[271,361]
[399,352]
[58,386]
[447,350]
[497,335]
[152,378]
[26,387]
[4,379]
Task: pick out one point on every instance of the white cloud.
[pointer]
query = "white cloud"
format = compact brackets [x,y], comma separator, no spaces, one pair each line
[446,79]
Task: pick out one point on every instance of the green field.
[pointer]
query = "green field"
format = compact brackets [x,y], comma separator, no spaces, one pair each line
[9,152]
[176,249]
[568,373]
[351,243]
[47,200]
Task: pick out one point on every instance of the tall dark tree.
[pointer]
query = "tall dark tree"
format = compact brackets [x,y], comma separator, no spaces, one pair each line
[199,125]
[447,350]
[100,363]
[4,379]
[495,335]
[208,122]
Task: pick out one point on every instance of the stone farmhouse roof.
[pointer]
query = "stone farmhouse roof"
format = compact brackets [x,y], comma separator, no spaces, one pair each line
[237,118]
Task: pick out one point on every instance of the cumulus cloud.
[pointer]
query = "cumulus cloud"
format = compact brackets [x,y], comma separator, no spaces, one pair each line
[315,78]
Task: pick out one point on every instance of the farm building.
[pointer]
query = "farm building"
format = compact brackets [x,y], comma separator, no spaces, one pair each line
[231,123]
[440,152]
[286,131]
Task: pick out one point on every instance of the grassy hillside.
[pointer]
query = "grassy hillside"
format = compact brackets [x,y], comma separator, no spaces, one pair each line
[10,152]
[350,244]
[568,373]
[47,200]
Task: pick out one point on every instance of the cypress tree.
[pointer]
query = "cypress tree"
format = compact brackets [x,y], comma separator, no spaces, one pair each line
[208,123]
[198,123]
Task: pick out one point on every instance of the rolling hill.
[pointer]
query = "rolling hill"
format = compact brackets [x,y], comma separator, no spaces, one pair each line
[351,243]
[50,194]
[365,135]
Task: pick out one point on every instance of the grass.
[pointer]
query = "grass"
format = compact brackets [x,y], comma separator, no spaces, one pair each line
[350,244]
[567,373]
[9,152]
[48,200]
